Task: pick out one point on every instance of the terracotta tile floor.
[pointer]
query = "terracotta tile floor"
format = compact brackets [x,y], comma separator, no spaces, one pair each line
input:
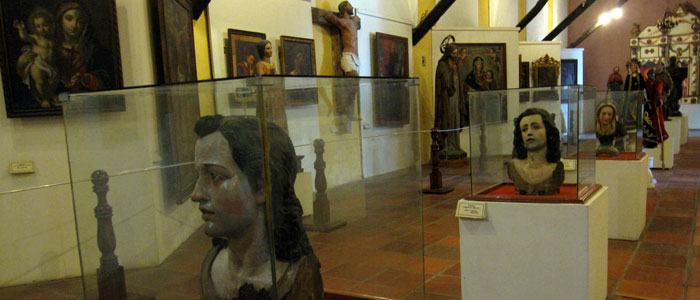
[391,249]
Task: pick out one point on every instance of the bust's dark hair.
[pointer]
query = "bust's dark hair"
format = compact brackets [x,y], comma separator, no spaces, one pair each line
[553,149]
[243,136]
[261,48]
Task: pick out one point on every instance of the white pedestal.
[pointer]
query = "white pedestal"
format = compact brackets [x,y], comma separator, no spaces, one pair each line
[627,195]
[536,251]
[684,130]
[304,191]
[673,127]
[655,155]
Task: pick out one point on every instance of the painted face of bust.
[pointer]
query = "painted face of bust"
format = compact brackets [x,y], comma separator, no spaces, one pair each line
[606,116]
[227,203]
[268,50]
[534,133]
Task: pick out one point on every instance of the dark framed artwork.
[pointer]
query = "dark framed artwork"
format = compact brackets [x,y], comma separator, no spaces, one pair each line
[177,112]
[524,75]
[177,61]
[569,71]
[391,56]
[53,46]
[391,97]
[545,71]
[482,67]
[297,56]
[242,52]
[524,81]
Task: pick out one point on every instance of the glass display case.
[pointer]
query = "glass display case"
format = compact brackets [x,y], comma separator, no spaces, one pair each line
[502,154]
[615,118]
[152,196]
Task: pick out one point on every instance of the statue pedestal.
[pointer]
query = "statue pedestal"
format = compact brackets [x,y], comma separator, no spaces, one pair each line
[673,127]
[522,250]
[684,130]
[656,157]
[627,195]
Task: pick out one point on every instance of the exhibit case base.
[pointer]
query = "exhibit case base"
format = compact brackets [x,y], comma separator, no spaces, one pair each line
[655,155]
[626,180]
[673,127]
[684,130]
[536,250]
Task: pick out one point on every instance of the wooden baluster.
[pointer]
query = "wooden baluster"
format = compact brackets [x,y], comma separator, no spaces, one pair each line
[322,210]
[435,175]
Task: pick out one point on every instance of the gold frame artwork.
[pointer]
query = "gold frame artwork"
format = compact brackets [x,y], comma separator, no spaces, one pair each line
[545,63]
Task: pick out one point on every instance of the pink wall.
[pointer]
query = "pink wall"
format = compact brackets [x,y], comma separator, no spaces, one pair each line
[609,45]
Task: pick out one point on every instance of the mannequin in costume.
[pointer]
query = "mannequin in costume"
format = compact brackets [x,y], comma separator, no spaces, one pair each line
[653,126]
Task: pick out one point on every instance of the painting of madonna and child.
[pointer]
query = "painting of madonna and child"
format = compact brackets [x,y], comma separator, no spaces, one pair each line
[482,67]
[56,46]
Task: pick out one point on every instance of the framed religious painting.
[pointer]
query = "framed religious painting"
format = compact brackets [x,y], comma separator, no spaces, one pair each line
[242,52]
[176,62]
[176,112]
[390,56]
[391,99]
[545,73]
[482,67]
[50,47]
[524,80]
[298,58]
[569,71]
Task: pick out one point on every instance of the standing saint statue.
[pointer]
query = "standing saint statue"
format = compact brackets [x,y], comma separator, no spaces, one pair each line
[678,75]
[450,105]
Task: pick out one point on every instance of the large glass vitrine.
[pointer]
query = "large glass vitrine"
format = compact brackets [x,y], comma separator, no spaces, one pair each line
[355,170]
[492,131]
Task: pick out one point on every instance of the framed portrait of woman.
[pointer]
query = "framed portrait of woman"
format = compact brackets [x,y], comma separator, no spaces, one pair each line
[50,47]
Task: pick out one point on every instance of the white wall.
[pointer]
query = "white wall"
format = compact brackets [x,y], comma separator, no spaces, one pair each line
[693,113]
[462,13]
[503,13]
[532,51]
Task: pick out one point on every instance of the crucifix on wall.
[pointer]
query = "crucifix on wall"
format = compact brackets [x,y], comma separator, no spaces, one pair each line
[343,27]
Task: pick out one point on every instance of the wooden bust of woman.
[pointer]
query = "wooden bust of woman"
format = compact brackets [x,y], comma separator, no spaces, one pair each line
[608,130]
[230,192]
[536,168]
[265,65]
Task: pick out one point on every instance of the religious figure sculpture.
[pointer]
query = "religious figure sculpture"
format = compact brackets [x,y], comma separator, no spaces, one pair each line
[615,80]
[450,105]
[678,75]
[536,168]
[349,24]
[630,107]
[608,130]
[653,128]
[230,192]
[275,106]
[663,75]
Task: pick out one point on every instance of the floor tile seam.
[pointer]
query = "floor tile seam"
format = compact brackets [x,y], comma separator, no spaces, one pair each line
[691,248]
[613,293]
